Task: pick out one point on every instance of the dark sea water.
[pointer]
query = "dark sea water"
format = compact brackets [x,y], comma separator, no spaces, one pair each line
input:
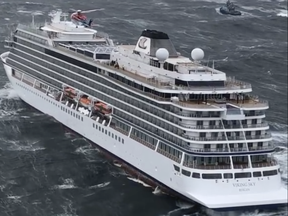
[45,171]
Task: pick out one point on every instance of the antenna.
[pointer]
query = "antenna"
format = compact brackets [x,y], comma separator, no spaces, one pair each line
[33,23]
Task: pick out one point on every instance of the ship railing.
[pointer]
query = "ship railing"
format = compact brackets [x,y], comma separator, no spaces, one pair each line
[240,166]
[33,29]
[207,150]
[273,162]
[264,124]
[254,114]
[270,146]
[223,138]
[172,157]
[263,136]
[231,81]
[235,138]
[232,126]
[120,130]
[207,167]
[202,126]
[149,145]
[249,100]
[197,115]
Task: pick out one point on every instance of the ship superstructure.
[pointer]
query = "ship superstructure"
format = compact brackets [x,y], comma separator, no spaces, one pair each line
[181,125]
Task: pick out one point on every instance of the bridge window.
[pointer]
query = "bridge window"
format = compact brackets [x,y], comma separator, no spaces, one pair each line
[195,175]
[186,173]
[176,168]
[228,175]
[242,175]
[270,173]
[257,174]
[211,176]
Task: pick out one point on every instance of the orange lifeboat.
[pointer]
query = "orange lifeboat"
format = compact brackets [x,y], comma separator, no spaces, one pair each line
[84,101]
[70,92]
[103,108]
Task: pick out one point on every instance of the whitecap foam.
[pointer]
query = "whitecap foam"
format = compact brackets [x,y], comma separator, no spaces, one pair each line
[139,181]
[282,13]
[7,92]
[102,185]
[67,184]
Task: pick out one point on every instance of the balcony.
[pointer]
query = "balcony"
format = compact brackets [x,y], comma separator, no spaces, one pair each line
[232,113]
[270,146]
[216,166]
[235,137]
[264,124]
[256,137]
[250,101]
[223,138]
[266,163]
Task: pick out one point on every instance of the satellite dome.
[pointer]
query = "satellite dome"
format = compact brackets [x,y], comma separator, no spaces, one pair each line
[197,54]
[162,54]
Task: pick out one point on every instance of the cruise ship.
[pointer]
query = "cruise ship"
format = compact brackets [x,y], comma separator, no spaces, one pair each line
[180,126]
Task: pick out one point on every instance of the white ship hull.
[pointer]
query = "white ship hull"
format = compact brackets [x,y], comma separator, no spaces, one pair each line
[214,194]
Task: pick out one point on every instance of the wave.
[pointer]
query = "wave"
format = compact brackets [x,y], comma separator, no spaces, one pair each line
[7,92]
[282,13]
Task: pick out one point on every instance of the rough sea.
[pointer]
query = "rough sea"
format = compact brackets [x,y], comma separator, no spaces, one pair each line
[46,171]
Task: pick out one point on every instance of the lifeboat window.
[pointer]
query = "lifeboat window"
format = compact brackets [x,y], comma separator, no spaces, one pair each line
[93,125]
[228,175]
[99,128]
[257,174]
[81,118]
[176,168]
[186,173]
[96,126]
[106,132]
[243,175]
[270,173]
[102,130]
[211,176]
[196,175]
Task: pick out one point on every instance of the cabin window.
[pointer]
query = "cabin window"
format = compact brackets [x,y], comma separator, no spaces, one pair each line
[228,175]
[115,137]
[196,175]
[123,141]
[112,135]
[176,168]
[270,173]
[211,176]
[186,173]
[257,174]
[106,132]
[243,175]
